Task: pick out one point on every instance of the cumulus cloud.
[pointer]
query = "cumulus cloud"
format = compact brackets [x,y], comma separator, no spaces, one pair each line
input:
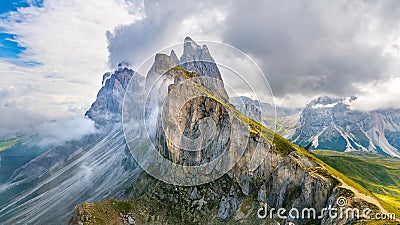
[14,120]
[312,47]
[378,95]
[165,23]
[65,53]
[306,48]
[58,132]
[294,100]
[20,122]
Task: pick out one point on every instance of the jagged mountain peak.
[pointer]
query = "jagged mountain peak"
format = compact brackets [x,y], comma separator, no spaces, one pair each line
[331,102]
[106,76]
[188,39]
[189,47]
[174,57]
[163,61]
[194,59]
[325,100]
[198,59]
[193,51]
[108,105]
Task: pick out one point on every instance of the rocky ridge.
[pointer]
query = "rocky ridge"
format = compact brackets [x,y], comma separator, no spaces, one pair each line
[107,108]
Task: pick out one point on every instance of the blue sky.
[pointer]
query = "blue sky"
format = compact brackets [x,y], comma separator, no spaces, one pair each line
[9,47]
[13,5]
[9,5]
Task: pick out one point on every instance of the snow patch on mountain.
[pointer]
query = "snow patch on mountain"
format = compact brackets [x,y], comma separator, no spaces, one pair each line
[349,130]
[317,106]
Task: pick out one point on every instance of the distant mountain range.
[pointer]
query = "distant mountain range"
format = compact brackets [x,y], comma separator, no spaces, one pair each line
[331,124]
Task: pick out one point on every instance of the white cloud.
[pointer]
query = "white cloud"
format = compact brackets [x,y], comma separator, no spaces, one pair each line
[294,100]
[68,39]
[17,119]
[55,133]
[318,47]
[307,49]
[166,23]
[378,95]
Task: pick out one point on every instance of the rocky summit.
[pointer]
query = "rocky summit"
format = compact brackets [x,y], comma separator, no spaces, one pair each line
[108,105]
[266,172]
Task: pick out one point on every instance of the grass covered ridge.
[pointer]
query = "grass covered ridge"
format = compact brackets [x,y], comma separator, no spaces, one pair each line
[377,174]
[4,145]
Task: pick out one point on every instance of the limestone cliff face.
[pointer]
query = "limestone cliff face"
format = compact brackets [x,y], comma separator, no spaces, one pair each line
[198,60]
[108,105]
[195,131]
[190,122]
[195,135]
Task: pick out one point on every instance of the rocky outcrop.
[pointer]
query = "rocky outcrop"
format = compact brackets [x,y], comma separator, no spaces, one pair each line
[228,207]
[166,76]
[174,57]
[190,124]
[107,108]
[197,59]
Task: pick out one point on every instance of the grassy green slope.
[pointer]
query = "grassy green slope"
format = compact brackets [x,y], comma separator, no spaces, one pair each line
[4,145]
[378,174]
